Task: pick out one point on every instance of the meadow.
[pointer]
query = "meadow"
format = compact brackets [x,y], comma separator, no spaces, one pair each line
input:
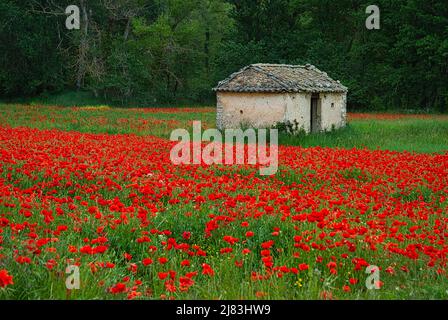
[94,187]
[395,132]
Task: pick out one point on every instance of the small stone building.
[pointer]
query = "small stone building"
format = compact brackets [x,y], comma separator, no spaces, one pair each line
[262,95]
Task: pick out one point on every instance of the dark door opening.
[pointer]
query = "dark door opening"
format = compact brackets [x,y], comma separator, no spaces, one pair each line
[315,114]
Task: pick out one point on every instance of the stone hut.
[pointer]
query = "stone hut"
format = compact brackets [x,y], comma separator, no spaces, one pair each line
[262,95]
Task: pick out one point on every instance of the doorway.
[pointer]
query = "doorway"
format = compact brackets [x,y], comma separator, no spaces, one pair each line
[315,113]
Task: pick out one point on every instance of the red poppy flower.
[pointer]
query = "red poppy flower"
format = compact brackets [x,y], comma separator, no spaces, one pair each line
[186,282]
[186,235]
[51,264]
[118,288]
[267,244]
[5,278]
[163,260]
[191,274]
[207,270]
[23,260]
[185,263]
[147,261]
[226,250]
[231,240]
[169,286]
[390,270]
[303,267]
[163,275]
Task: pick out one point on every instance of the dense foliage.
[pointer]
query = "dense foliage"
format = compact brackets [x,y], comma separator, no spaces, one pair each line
[155,51]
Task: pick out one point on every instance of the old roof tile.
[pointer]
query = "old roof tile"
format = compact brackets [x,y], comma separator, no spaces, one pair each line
[280,78]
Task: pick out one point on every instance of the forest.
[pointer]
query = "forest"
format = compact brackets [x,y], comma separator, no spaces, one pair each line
[154,52]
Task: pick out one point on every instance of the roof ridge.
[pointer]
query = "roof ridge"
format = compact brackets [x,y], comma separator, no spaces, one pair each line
[278,65]
[307,65]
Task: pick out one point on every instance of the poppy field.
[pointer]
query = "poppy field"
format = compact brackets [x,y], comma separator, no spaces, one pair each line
[95,188]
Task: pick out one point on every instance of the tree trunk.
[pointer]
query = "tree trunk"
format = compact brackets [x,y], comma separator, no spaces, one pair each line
[83,46]
[127,30]
[207,52]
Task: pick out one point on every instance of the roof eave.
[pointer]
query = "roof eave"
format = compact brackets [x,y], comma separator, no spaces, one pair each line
[252,90]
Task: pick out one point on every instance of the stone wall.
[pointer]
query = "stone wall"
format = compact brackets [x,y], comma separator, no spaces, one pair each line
[258,110]
[333,110]
[262,110]
[219,111]
[299,110]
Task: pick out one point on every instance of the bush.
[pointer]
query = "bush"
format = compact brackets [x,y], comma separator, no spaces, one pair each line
[289,127]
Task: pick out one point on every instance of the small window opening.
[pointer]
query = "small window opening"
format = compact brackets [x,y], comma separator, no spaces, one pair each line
[332,105]
[241,111]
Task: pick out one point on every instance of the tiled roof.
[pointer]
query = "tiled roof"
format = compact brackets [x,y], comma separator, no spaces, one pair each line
[280,78]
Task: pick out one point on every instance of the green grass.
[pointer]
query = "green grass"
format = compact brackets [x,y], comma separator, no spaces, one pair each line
[66,99]
[407,134]
[87,98]
[419,135]
[101,120]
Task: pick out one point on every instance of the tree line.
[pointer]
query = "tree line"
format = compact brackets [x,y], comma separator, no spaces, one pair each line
[170,51]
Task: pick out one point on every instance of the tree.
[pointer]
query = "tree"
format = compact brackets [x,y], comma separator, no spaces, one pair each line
[30,62]
[152,51]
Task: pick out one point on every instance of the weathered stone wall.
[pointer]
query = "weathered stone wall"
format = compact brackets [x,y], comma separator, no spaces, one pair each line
[219,111]
[258,110]
[299,110]
[344,109]
[333,110]
[262,110]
